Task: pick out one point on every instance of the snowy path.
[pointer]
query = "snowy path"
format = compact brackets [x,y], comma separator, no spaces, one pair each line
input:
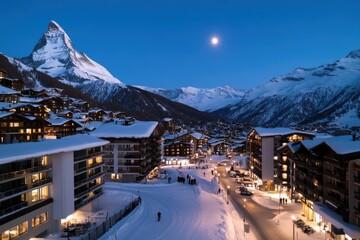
[192,211]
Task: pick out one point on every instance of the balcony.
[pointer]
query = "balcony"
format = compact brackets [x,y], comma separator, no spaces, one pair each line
[357,196]
[13,191]
[13,208]
[90,155]
[336,187]
[335,174]
[41,182]
[128,149]
[336,200]
[357,180]
[23,172]
[88,179]
[90,189]
[87,200]
[84,169]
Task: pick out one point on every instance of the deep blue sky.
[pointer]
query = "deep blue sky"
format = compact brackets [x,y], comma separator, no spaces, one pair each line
[167,43]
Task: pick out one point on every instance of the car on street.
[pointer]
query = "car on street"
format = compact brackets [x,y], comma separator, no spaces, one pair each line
[246,193]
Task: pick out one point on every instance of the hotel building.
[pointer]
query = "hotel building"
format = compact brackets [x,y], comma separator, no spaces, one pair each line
[42,183]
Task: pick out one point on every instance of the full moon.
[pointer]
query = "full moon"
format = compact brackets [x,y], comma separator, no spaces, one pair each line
[214,41]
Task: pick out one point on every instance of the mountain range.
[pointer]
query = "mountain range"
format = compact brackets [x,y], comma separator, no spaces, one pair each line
[321,95]
[55,56]
[307,96]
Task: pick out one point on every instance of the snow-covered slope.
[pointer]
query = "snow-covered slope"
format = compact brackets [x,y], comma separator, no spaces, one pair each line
[55,55]
[316,95]
[204,99]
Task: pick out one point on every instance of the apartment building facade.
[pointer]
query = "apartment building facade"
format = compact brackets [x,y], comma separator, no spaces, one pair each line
[326,179]
[264,161]
[134,151]
[42,183]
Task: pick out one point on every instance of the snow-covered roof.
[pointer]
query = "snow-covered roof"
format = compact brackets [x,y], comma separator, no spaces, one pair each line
[15,105]
[30,100]
[137,129]
[61,121]
[18,151]
[309,144]
[340,144]
[198,135]
[343,144]
[170,136]
[278,131]
[176,142]
[5,90]
[5,114]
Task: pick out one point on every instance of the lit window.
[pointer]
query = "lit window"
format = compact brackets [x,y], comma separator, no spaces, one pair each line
[35,178]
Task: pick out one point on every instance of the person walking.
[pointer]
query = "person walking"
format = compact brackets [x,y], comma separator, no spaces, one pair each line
[159,216]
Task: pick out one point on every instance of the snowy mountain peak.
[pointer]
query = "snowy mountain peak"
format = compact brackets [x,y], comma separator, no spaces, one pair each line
[55,55]
[354,54]
[204,99]
[54,25]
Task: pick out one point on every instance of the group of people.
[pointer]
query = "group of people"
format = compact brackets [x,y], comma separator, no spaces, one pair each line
[283,200]
[191,179]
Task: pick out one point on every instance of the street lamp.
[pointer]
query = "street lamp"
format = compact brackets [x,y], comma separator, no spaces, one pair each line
[252,171]
[244,209]
[293,220]
[325,229]
[228,193]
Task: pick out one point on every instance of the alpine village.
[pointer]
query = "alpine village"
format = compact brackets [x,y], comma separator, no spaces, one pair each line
[60,144]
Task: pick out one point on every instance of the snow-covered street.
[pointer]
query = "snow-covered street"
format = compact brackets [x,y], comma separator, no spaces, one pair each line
[188,211]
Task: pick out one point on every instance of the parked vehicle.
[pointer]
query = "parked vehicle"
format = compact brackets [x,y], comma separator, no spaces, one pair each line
[246,193]
[232,173]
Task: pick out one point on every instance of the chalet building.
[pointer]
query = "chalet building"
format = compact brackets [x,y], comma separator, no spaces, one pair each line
[32,93]
[195,139]
[81,105]
[169,125]
[14,84]
[325,176]
[66,114]
[42,183]
[56,91]
[61,127]
[27,109]
[3,74]
[97,114]
[18,128]
[178,148]
[262,144]
[119,115]
[9,95]
[134,150]
[56,104]
[218,146]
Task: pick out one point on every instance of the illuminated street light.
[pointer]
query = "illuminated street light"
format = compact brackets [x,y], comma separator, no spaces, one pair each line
[218,177]
[228,193]
[325,229]
[293,220]
[244,209]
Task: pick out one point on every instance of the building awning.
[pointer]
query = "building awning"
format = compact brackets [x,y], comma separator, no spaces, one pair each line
[336,220]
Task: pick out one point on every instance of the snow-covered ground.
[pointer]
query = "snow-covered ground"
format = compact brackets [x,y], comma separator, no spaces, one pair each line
[188,211]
